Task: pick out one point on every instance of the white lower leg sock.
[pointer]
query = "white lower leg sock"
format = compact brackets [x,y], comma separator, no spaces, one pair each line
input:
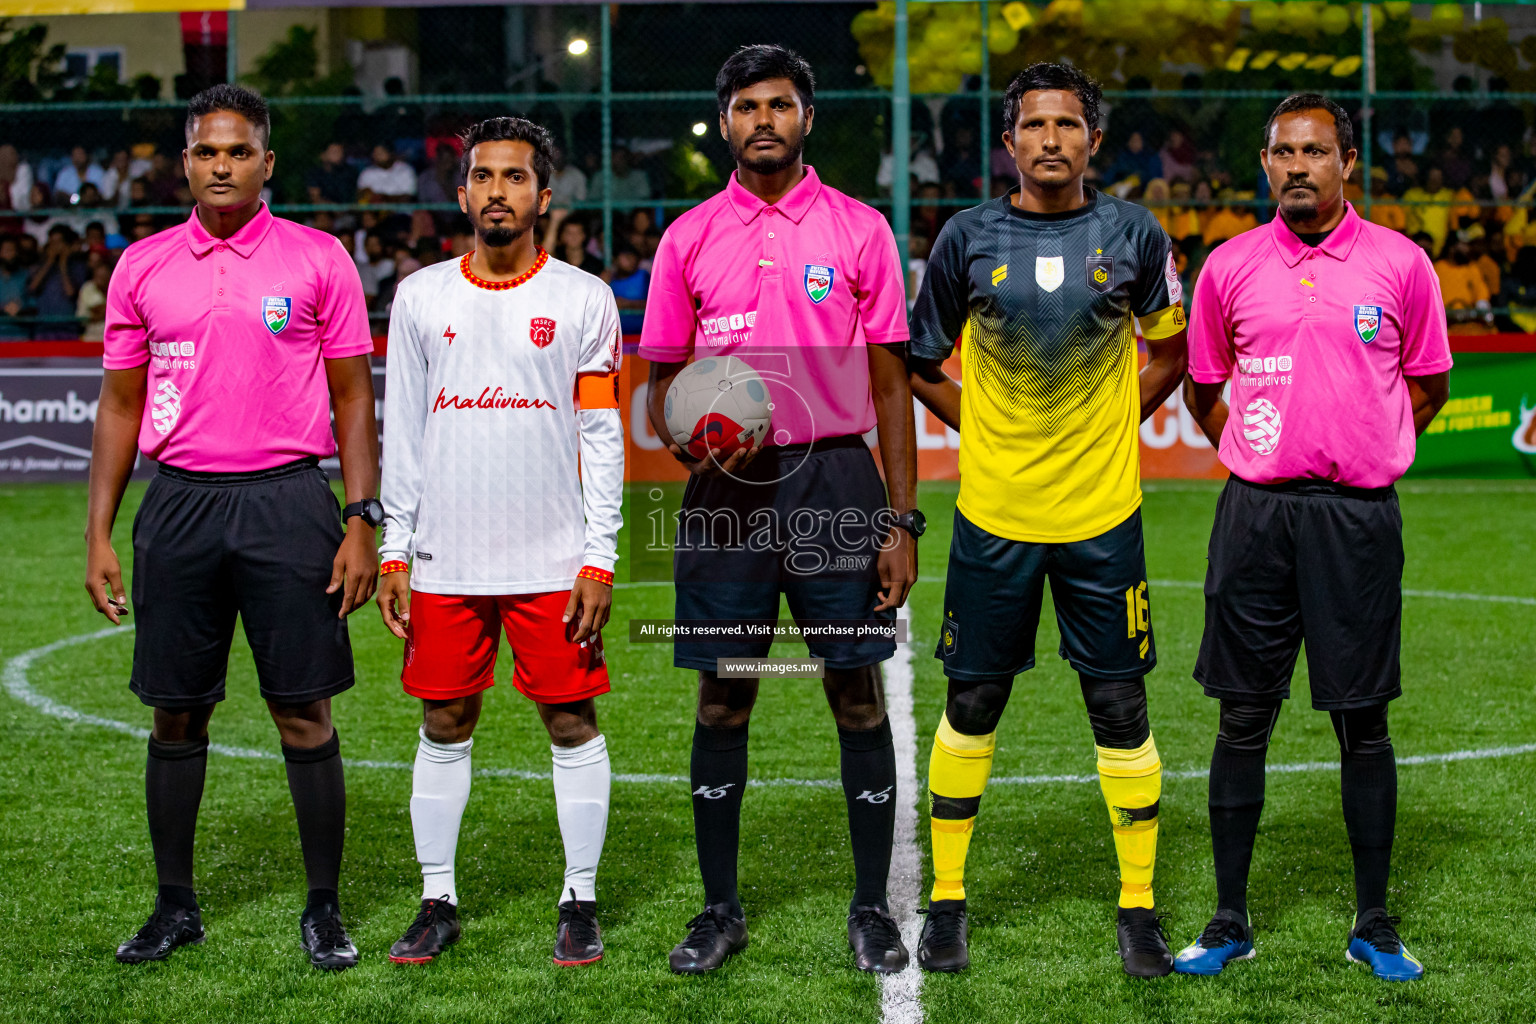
[439,791]
[582,778]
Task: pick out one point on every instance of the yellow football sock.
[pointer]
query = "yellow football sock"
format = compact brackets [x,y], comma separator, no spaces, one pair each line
[1132,781]
[957,774]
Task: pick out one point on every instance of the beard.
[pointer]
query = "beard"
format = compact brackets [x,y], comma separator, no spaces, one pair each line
[499,236]
[1299,204]
[793,148]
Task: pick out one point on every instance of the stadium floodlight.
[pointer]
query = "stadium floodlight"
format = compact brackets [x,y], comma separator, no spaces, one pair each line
[577,47]
[699,128]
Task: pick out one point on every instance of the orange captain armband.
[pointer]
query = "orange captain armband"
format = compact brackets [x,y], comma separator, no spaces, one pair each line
[393,565]
[597,390]
[602,576]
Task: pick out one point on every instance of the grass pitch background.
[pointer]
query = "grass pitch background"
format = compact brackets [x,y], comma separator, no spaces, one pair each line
[1041,875]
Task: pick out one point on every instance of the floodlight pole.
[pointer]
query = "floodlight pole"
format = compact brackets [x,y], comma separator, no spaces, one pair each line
[606,42]
[901,143]
[231,49]
[983,137]
[1368,95]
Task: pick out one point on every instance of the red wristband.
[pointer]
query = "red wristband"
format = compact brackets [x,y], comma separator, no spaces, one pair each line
[394,565]
[602,576]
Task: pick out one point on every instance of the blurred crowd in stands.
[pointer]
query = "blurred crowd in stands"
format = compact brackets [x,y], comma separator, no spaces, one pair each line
[1461,184]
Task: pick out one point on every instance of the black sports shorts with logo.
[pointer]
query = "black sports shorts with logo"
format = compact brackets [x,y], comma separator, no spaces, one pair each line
[996,586]
[1304,560]
[209,546]
[823,504]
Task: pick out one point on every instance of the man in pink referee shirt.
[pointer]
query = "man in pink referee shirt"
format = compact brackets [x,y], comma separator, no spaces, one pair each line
[1331,333]
[805,285]
[229,341]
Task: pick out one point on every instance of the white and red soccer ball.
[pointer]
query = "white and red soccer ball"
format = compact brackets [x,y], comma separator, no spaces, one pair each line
[720,402]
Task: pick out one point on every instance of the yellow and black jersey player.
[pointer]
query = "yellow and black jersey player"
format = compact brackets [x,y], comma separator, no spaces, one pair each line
[1043,286]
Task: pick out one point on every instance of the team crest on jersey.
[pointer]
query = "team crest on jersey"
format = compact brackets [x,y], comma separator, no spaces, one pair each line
[1101,273]
[1367,322]
[818,282]
[275,312]
[541,331]
[1049,272]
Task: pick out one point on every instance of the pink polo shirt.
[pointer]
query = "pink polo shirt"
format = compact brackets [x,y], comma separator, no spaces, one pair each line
[796,289]
[1320,339]
[234,331]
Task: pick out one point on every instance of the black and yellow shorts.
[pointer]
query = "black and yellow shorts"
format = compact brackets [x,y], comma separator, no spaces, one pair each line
[995,588]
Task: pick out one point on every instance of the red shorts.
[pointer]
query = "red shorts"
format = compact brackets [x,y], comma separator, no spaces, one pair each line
[450,648]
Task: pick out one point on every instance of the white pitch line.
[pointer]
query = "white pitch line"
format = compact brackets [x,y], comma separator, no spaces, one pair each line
[14,679]
[901,994]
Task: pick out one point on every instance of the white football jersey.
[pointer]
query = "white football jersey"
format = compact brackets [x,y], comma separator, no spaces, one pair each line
[482,433]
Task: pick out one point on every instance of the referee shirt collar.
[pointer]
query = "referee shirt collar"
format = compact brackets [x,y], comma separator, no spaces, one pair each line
[242,242]
[795,204]
[1338,243]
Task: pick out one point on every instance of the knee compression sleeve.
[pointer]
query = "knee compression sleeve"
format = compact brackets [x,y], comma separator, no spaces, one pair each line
[957,775]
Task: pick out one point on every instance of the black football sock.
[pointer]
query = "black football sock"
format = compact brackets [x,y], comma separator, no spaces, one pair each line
[1368,786]
[869,785]
[173,791]
[718,774]
[319,790]
[1237,796]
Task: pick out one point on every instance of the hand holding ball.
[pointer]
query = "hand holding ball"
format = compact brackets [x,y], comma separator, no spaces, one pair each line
[719,402]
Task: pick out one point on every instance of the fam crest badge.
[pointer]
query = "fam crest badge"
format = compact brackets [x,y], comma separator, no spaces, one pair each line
[541,331]
[1367,322]
[818,282]
[276,311]
[1101,273]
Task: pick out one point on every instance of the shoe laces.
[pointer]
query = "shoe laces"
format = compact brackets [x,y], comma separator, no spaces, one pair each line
[427,917]
[328,929]
[1146,934]
[1379,931]
[703,928]
[878,925]
[1221,931]
[580,922]
[158,924]
[943,926]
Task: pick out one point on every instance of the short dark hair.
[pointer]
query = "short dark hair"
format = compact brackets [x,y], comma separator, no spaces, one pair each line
[759,63]
[511,129]
[1343,127]
[1046,75]
[236,99]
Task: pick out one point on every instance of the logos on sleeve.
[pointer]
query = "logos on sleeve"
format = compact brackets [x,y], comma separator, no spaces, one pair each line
[1367,322]
[1101,272]
[1175,285]
[818,282]
[275,312]
[1049,272]
[165,407]
[541,331]
[1261,426]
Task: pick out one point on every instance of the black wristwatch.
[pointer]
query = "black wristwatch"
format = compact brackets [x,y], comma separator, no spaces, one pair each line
[914,522]
[371,509]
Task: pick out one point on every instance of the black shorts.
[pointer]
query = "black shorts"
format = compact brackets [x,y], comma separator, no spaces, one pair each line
[1307,560]
[804,521]
[208,546]
[994,591]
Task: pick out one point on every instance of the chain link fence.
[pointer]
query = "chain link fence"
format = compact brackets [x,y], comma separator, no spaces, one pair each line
[1443,97]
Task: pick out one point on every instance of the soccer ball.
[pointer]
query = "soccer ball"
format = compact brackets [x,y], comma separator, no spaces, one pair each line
[719,402]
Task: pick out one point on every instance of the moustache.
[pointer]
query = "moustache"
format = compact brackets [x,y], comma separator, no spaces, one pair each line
[765,137]
[495,208]
[1302,183]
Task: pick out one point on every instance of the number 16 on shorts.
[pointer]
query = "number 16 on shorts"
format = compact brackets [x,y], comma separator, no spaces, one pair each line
[1138,616]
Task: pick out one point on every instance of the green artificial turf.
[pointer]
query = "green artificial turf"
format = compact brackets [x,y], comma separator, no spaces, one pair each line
[1041,878]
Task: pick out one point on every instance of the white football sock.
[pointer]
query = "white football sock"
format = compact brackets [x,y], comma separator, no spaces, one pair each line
[582,779]
[439,791]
